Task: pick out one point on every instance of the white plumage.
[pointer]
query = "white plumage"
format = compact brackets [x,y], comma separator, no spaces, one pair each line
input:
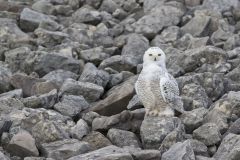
[155,87]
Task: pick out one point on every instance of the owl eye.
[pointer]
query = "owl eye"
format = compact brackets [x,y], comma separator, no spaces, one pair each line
[159,54]
[150,54]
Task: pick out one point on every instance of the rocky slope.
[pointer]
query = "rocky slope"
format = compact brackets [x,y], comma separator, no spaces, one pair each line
[68,69]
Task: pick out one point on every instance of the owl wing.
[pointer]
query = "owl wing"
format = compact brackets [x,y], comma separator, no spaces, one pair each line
[170,92]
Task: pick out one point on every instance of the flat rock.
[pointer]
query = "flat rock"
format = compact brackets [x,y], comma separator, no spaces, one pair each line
[123,138]
[17,93]
[64,149]
[116,98]
[91,92]
[23,144]
[109,152]
[96,140]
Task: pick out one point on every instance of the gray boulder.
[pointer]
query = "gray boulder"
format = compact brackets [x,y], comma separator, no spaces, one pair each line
[179,151]
[93,75]
[30,20]
[208,134]
[91,92]
[22,144]
[43,6]
[17,93]
[64,149]
[80,130]
[71,105]
[222,5]
[123,138]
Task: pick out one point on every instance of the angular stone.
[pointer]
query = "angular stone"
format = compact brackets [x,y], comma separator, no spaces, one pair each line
[23,144]
[30,20]
[80,130]
[199,148]
[221,5]
[71,105]
[59,76]
[129,50]
[134,103]
[154,129]
[17,93]
[7,105]
[109,152]
[96,140]
[87,15]
[47,62]
[91,92]
[179,151]
[64,149]
[193,119]
[93,75]
[208,134]
[146,155]
[43,6]
[123,138]
[5,79]
[116,99]
[229,148]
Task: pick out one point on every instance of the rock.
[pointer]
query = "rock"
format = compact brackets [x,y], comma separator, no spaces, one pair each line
[88,15]
[17,93]
[118,63]
[109,6]
[203,158]
[24,82]
[65,10]
[192,3]
[30,20]
[5,76]
[198,147]
[64,149]
[198,26]
[16,58]
[80,130]
[221,5]
[89,117]
[118,78]
[179,151]
[199,97]
[126,120]
[232,42]
[59,76]
[71,105]
[43,87]
[96,140]
[94,55]
[46,62]
[43,6]
[168,35]
[129,50]
[3,157]
[49,38]
[193,119]
[109,152]
[123,138]
[22,144]
[229,147]
[7,105]
[91,92]
[150,24]
[234,128]
[93,75]
[154,129]
[116,98]
[146,155]
[208,134]
[43,101]
[11,32]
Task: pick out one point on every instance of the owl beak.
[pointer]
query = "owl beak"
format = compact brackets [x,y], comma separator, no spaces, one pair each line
[155,59]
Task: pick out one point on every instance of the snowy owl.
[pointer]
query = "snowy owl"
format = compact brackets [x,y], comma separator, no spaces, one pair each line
[155,87]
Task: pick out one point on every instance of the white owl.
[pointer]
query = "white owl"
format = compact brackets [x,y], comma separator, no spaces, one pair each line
[155,87]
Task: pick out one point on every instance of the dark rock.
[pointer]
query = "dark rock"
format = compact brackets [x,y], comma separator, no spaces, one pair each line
[64,149]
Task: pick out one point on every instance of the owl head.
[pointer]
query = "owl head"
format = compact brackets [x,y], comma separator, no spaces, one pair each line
[154,55]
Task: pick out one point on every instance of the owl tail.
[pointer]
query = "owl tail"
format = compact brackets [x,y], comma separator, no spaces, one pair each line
[177,105]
